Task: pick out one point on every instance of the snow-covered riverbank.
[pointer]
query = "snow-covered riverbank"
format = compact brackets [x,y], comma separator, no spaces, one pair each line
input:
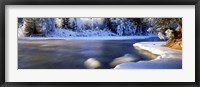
[168,59]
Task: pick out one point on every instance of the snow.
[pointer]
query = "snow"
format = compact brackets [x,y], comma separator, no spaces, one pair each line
[123,59]
[153,64]
[81,33]
[92,63]
[59,32]
[156,48]
[80,27]
[87,38]
[168,59]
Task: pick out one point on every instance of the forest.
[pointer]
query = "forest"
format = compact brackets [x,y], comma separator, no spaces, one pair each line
[165,28]
[45,27]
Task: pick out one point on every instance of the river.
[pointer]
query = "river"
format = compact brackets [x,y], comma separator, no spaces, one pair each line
[72,54]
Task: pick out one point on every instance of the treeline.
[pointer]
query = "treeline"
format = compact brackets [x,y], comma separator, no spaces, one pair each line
[119,26]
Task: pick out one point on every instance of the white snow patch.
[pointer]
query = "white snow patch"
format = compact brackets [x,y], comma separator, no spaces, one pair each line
[59,32]
[167,63]
[156,48]
[168,59]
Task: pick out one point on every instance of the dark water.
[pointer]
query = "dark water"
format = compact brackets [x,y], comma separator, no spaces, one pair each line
[72,54]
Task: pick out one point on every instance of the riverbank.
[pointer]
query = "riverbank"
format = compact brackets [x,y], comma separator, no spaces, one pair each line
[168,59]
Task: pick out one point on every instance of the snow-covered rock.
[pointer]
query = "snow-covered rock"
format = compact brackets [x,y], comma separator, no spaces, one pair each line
[123,59]
[168,59]
[92,63]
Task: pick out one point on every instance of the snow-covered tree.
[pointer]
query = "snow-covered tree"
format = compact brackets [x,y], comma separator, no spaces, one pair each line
[164,27]
[59,22]
[36,26]
[172,27]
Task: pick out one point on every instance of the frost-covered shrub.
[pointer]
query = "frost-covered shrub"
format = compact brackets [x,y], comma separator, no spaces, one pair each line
[59,22]
[150,29]
[83,33]
[161,35]
[169,33]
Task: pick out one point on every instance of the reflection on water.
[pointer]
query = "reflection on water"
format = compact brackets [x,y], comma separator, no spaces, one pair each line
[77,54]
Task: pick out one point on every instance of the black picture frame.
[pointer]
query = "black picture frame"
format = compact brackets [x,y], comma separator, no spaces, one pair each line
[98,2]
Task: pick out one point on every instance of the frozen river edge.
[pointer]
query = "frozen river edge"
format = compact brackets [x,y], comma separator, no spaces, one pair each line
[168,59]
[89,38]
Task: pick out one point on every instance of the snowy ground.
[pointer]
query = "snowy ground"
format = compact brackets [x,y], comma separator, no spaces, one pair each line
[168,59]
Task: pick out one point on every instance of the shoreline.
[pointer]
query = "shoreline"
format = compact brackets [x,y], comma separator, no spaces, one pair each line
[168,58]
[88,38]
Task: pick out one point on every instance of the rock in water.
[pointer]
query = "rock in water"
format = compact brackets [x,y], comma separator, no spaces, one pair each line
[123,59]
[92,63]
